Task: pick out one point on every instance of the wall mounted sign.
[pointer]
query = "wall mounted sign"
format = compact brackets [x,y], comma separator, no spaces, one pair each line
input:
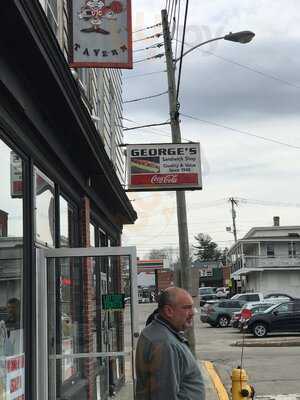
[114,301]
[101,34]
[164,167]
[14,371]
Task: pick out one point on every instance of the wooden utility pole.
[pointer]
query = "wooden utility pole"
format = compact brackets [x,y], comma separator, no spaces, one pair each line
[233,212]
[183,274]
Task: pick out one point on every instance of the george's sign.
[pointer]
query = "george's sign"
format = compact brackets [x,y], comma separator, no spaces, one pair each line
[164,167]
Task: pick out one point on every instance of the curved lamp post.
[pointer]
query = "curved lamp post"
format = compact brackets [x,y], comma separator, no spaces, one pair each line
[238,37]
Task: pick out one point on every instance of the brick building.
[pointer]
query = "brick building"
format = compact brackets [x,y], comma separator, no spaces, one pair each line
[61,186]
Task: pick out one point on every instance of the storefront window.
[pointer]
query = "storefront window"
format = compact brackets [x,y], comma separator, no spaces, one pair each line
[44,209]
[12,358]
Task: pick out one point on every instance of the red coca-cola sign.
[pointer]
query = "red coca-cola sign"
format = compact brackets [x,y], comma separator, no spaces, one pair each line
[164,179]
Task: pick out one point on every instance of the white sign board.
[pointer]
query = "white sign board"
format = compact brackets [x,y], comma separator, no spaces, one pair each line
[13,369]
[164,166]
[101,34]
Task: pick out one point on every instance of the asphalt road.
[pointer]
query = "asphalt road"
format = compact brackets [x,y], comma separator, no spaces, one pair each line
[272,370]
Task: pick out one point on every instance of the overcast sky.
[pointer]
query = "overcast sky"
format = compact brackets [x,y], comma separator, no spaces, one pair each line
[253,88]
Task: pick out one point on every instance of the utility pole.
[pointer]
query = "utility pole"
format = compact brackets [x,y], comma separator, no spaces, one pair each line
[233,212]
[183,275]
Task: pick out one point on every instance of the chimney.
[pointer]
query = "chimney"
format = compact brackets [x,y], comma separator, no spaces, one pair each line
[276,221]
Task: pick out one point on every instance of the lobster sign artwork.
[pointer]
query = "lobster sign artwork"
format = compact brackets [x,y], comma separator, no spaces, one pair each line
[101,34]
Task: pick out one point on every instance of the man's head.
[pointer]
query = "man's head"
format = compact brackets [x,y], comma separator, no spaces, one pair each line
[13,308]
[177,307]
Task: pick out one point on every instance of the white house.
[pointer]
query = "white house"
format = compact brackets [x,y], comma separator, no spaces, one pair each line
[267,259]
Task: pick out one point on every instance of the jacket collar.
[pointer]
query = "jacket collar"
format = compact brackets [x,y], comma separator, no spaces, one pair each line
[179,334]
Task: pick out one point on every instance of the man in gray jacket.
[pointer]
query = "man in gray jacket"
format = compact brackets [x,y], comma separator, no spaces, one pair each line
[166,368]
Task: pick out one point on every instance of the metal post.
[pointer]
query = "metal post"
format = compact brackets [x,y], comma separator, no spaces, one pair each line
[183,275]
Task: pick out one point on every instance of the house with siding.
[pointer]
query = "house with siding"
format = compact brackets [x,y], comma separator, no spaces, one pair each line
[267,259]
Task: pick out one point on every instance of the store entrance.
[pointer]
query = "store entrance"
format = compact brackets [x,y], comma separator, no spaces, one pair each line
[83,321]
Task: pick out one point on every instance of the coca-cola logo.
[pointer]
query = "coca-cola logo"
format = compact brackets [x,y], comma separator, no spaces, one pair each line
[167,179]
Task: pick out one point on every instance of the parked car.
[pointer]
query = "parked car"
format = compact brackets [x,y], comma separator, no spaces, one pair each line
[284,317]
[219,313]
[279,295]
[206,290]
[250,309]
[248,297]
[207,293]
[222,292]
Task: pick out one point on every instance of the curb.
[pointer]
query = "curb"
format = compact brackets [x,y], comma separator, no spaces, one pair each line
[218,385]
[266,343]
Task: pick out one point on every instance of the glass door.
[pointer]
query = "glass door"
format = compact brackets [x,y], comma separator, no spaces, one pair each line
[83,322]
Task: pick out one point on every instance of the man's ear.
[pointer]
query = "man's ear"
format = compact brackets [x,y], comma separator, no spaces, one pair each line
[168,310]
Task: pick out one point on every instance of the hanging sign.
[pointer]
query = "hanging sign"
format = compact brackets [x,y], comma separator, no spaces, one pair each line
[16,176]
[101,34]
[164,167]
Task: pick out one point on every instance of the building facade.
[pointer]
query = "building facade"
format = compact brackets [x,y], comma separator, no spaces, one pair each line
[267,260]
[210,273]
[61,186]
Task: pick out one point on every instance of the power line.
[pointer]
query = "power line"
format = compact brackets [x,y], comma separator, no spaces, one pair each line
[177,31]
[147,126]
[160,55]
[268,203]
[242,132]
[157,35]
[182,47]
[157,45]
[154,131]
[145,74]
[266,75]
[147,27]
[171,13]
[145,98]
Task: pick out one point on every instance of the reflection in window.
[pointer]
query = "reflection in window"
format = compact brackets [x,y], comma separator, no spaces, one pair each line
[284,308]
[67,221]
[68,301]
[11,266]
[44,209]
[92,235]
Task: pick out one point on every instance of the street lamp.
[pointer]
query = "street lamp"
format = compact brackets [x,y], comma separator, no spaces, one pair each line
[238,37]
[184,278]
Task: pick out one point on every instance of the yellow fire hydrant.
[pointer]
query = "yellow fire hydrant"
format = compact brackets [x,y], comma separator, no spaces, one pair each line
[241,390]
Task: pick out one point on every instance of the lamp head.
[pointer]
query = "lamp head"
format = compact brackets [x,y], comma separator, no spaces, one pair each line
[240,37]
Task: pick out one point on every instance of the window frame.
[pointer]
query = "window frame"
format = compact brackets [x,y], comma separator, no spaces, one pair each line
[270,250]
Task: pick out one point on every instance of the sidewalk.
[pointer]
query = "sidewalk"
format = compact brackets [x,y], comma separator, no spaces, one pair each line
[268,342]
[212,386]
